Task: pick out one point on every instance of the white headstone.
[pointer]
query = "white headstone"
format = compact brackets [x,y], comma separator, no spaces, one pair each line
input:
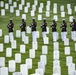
[17,73]
[4,71]
[55,17]
[29,63]
[28,29]
[47,14]
[70,18]
[32,13]
[2,61]
[71,69]
[41,5]
[69,60]
[8,52]
[48,2]
[20,6]
[44,50]
[40,10]
[47,8]
[36,2]
[22,48]
[34,7]
[0,71]
[39,17]
[75,8]
[46,40]
[12,66]
[35,74]
[28,4]
[2,3]
[66,42]
[23,2]
[56,46]
[10,1]
[62,8]
[55,5]
[15,4]
[1,47]
[6,6]
[56,54]
[55,10]
[56,63]
[43,59]
[63,14]
[41,65]
[11,9]
[6,39]
[2,12]
[17,13]
[24,69]
[26,9]
[69,11]
[68,6]
[0,32]
[18,33]
[57,69]
[40,71]
[13,44]
[18,58]
[26,41]
[24,16]
[34,45]
[31,53]
[67,50]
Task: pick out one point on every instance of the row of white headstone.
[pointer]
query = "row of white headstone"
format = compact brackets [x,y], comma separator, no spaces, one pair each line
[34,9]
[40,17]
[56,61]
[43,61]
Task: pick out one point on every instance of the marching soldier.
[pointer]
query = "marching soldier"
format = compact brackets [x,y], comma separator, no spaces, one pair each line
[64,31]
[10,27]
[73,26]
[33,28]
[44,30]
[23,29]
[54,30]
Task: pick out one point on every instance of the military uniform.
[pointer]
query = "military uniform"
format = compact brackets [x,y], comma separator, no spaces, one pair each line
[33,29]
[23,29]
[10,27]
[44,30]
[73,32]
[64,31]
[54,30]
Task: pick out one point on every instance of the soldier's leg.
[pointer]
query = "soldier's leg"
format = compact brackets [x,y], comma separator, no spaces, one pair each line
[64,36]
[54,36]
[23,36]
[11,36]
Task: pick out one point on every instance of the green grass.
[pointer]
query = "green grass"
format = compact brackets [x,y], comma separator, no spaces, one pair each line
[4,20]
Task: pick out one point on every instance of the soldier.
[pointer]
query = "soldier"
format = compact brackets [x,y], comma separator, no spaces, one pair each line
[43,26]
[23,29]
[33,28]
[10,27]
[64,31]
[73,26]
[54,30]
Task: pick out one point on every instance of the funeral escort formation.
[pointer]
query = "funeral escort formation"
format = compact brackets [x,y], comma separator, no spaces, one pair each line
[33,26]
